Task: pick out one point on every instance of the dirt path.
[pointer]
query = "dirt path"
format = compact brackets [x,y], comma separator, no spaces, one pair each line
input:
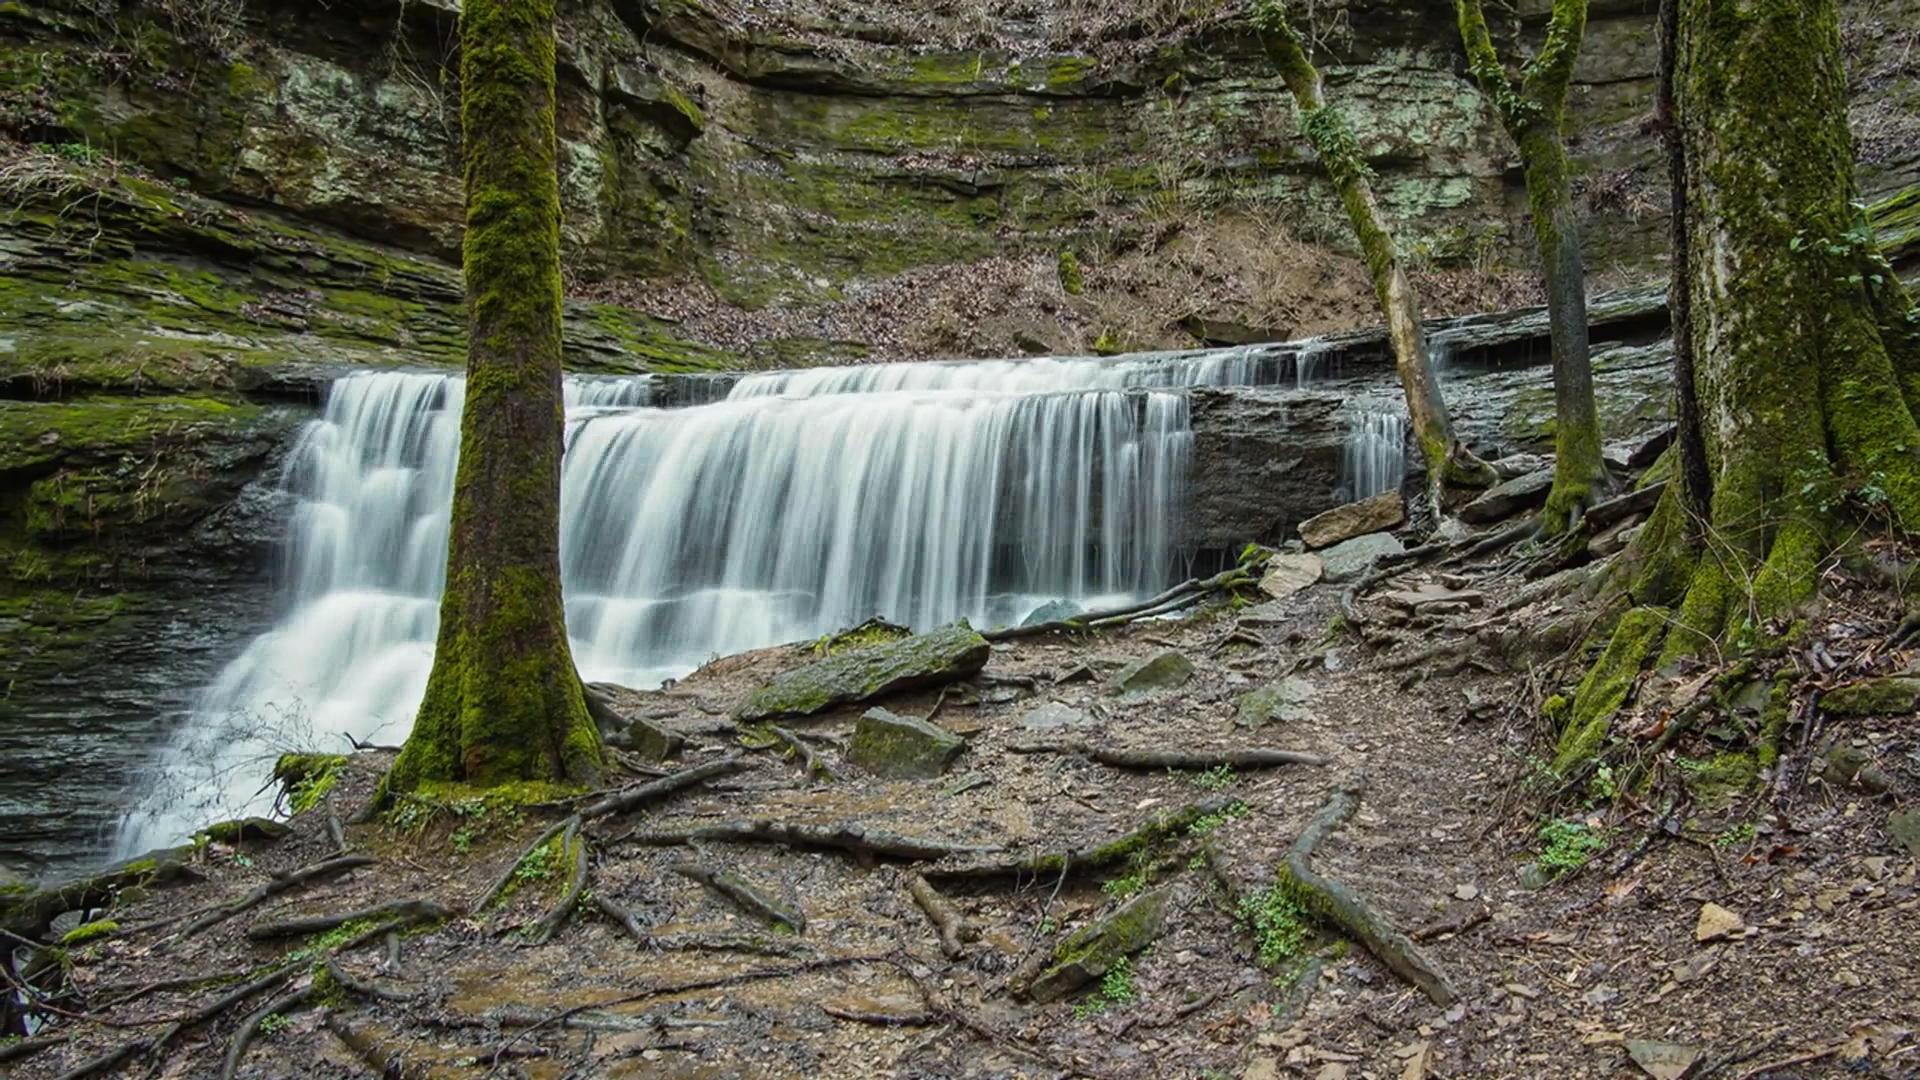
[1554,981]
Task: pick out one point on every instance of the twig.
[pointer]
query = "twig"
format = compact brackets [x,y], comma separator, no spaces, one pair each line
[1798,1059]
[251,1025]
[1121,758]
[1340,906]
[945,917]
[751,898]
[626,918]
[413,910]
[919,1019]
[1456,924]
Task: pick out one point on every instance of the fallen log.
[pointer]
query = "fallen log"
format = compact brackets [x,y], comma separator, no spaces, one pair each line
[749,897]
[1121,758]
[1341,907]
[1154,830]
[30,914]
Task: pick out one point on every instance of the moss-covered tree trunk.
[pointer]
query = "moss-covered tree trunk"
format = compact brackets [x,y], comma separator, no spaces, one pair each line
[1533,113]
[1801,340]
[504,702]
[1447,461]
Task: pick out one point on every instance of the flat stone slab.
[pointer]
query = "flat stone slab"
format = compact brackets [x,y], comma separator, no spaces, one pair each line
[1503,500]
[1349,560]
[1382,511]
[1053,716]
[1162,671]
[857,675]
[1285,701]
[902,747]
[1289,573]
[1418,598]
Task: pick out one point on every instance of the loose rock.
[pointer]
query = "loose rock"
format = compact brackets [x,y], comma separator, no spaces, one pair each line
[857,675]
[1288,574]
[1053,716]
[1285,701]
[902,747]
[1716,923]
[1052,611]
[1162,671]
[1506,499]
[1355,557]
[1090,952]
[1383,511]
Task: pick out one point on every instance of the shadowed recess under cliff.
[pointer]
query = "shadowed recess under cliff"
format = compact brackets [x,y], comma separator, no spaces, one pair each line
[803,502]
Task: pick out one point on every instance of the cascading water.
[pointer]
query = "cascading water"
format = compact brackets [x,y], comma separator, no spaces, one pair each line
[1375,456]
[803,502]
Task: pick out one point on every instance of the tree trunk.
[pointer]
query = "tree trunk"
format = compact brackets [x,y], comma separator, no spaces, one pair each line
[1533,115]
[1797,349]
[504,702]
[1690,447]
[1333,140]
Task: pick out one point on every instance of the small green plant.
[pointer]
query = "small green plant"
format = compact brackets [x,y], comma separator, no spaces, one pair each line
[1116,988]
[1737,835]
[1218,778]
[463,838]
[1603,786]
[273,1023]
[1210,822]
[539,864]
[78,153]
[1566,845]
[1277,922]
[1126,885]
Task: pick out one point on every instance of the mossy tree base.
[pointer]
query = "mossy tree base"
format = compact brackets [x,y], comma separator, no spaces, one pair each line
[504,703]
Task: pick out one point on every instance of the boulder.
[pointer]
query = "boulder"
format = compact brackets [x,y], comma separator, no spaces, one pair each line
[1162,671]
[1347,561]
[1054,717]
[1288,574]
[1052,611]
[902,747]
[1383,511]
[1284,701]
[1508,498]
[1874,697]
[857,675]
[1088,953]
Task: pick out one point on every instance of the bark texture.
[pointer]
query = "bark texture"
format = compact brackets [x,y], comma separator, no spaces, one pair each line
[1801,341]
[1339,151]
[1532,109]
[504,702]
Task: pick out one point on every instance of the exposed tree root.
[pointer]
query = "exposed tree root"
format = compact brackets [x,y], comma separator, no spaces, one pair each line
[363,987]
[1335,903]
[395,911]
[946,919]
[919,1019]
[113,1059]
[750,898]
[26,1048]
[106,1062]
[1187,592]
[506,876]
[575,846]
[1121,758]
[846,837]
[386,1058]
[1525,529]
[1154,830]
[278,885]
[816,765]
[249,1027]
[626,799]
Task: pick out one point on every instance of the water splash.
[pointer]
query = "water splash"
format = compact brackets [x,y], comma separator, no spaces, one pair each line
[803,502]
[1375,456]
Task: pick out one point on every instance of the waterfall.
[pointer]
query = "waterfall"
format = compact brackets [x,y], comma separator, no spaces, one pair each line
[1375,456]
[802,502]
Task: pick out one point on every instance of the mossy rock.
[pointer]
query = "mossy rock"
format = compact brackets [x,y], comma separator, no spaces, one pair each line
[902,747]
[857,675]
[1285,701]
[1088,953]
[1874,697]
[1160,672]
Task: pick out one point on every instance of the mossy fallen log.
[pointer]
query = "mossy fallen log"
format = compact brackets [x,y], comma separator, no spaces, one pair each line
[28,911]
